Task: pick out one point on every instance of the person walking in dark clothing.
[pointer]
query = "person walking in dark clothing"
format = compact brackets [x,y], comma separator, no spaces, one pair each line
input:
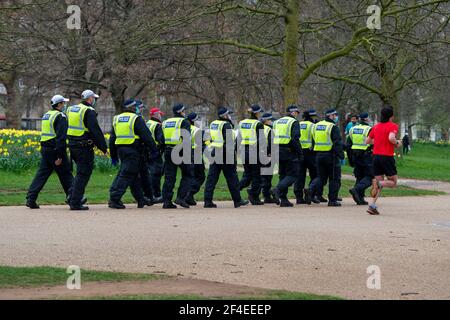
[251,135]
[198,146]
[84,134]
[129,138]
[173,136]
[156,163]
[267,121]
[286,133]
[362,159]
[53,151]
[329,147]
[223,148]
[406,144]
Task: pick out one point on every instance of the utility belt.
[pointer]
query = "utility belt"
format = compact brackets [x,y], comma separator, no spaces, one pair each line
[85,143]
[361,152]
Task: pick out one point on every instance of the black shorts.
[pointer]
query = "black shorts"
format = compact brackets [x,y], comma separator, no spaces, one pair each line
[384,166]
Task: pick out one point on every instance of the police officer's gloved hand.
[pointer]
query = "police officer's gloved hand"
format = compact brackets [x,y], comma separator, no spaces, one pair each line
[115,162]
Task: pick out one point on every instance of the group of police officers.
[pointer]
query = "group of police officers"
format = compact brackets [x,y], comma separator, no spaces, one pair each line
[145,152]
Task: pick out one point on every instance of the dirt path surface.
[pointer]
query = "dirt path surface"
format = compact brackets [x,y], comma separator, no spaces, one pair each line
[170,286]
[310,249]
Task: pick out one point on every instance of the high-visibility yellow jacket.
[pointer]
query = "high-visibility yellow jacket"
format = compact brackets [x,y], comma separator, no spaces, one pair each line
[123,125]
[248,132]
[75,117]
[48,125]
[322,136]
[172,131]
[358,135]
[306,134]
[282,130]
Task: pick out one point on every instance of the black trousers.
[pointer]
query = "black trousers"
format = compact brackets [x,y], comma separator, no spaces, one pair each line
[252,178]
[308,164]
[84,160]
[266,183]
[145,177]
[288,171]
[156,168]
[46,168]
[128,176]
[170,177]
[328,169]
[199,178]
[230,173]
[363,171]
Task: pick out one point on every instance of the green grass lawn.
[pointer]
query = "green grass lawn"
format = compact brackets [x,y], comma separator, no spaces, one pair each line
[26,277]
[425,161]
[13,189]
[33,277]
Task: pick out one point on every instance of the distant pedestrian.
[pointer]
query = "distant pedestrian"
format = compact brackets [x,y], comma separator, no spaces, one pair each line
[406,143]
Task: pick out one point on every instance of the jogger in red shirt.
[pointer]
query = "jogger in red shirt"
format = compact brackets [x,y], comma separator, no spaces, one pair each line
[384,139]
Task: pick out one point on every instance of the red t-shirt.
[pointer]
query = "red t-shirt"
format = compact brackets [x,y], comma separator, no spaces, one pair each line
[380,134]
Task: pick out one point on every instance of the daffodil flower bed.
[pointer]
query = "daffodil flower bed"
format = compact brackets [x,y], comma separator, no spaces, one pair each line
[20,151]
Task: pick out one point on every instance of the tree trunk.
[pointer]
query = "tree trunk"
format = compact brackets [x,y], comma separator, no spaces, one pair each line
[290,68]
[12,111]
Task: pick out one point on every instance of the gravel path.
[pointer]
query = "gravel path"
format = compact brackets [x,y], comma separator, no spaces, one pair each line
[310,249]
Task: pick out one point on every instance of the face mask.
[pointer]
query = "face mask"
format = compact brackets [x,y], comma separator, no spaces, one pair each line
[336,120]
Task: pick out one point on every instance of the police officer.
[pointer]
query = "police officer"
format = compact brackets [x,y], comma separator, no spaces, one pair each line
[173,136]
[251,133]
[222,148]
[329,147]
[127,141]
[303,195]
[146,156]
[286,133]
[84,134]
[156,164]
[53,151]
[198,146]
[362,159]
[267,121]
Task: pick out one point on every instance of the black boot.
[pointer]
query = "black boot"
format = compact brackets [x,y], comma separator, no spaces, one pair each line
[285,203]
[308,196]
[322,199]
[355,196]
[255,201]
[113,204]
[79,208]
[145,202]
[334,204]
[157,200]
[275,195]
[316,200]
[300,200]
[190,200]
[210,205]
[32,204]
[182,203]
[83,201]
[169,205]
[269,200]
[241,203]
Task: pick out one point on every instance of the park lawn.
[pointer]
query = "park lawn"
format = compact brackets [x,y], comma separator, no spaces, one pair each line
[34,277]
[13,189]
[425,161]
[28,277]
